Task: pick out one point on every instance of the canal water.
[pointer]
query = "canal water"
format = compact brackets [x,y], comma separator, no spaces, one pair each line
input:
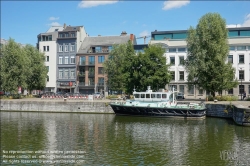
[107,139]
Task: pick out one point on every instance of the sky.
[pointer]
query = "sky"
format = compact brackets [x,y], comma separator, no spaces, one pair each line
[24,20]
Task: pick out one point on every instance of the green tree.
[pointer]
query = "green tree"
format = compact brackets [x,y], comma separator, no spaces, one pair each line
[14,67]
[207,53]
[149,69]
[36,79]
[116,67]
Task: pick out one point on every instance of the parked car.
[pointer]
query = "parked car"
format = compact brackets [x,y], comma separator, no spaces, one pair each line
[1,92]
[97,95]
[180,95]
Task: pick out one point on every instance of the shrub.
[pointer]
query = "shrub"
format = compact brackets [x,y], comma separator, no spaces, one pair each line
[224,98]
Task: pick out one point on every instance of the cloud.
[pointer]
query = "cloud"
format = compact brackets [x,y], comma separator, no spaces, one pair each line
[54,24]
[89,4]
[246,23]
[174,4]
[53,18]
[144,33]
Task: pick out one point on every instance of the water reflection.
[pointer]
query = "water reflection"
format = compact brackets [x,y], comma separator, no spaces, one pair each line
[125,140]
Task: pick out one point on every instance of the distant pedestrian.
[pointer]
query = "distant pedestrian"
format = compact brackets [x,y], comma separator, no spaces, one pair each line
[244,95]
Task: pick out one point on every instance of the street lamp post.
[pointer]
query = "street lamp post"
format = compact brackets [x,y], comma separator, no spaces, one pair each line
[240,84]
[241,90]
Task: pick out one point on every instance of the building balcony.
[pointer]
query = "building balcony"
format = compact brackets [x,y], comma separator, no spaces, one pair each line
[86,64]
[83,84]
[82,63]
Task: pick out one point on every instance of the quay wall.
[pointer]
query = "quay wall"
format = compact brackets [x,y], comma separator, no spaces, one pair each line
[239,113]
[56,106]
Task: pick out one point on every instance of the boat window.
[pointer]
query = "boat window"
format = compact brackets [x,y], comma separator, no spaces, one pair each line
[147,95]
[159,96]
[164,96]
[142,95]
[137,95]
[153,96]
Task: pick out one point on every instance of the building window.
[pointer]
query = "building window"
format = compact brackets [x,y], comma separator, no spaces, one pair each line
[47,78]
[66,48]
[82,60]
[72,74]
[241,89]
[230,91]
[181,59]
[101,81]
[47,68]
[60,48]
[47,58]
[181,49]
[101,59]
[100,70]
[230,58]
[66,74]
[241,48]
[60,35]
[172,50]
[72,60]
[241,74]
[72,47]
[172,75]
[91,60]
[66,35]
[91,71]
[66,60]
[241,58]
[47,48]
[181,74]
[200,91]
[72,34]
[232,48]
[181,87]
[172,60]
[98,49]
[60,60]
[44,48]
[110,48]
[60,74]
[191,89]
[173,86]
[92,81]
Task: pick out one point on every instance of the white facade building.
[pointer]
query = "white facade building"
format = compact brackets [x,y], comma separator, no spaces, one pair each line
[47,45]
[176,51]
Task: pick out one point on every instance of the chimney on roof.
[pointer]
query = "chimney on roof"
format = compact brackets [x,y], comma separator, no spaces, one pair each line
[132,37]
[124,33]
[64,26]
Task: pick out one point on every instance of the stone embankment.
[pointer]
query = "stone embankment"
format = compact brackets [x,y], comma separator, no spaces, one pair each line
[239,111]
